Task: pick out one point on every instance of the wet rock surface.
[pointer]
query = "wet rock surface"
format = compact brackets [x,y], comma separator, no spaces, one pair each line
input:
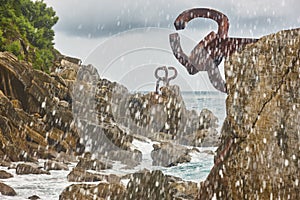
[150,184]
[156,185]
[5,174]
[260,135]
[34,197]
[54,165]
[92,164]
[89,191]
[81,175]
[7,190]
[142,185]
[29,168]
[167,154]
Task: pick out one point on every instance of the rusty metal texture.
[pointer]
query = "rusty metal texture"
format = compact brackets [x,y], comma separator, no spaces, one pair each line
[209,52]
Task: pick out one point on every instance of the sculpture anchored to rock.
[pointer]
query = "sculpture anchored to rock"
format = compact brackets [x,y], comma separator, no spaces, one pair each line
[209,52]
[165,79]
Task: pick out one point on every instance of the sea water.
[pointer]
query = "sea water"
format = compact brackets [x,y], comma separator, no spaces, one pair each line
[212,100]
[50,186]
[201,164]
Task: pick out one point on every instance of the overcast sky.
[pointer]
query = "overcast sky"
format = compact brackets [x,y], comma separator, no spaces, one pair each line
[100,32]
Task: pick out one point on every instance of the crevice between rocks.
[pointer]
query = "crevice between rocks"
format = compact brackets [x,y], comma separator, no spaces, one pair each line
[289,69]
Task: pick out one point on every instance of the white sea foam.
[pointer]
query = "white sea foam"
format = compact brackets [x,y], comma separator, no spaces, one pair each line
[50,186]
[45,186]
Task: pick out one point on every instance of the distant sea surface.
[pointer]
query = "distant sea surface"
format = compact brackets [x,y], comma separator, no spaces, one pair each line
[214,101]
[198,100]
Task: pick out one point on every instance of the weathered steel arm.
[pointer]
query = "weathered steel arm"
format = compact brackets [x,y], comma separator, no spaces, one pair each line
[209,52]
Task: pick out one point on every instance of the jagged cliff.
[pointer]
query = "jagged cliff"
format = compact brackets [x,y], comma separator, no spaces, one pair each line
[259,155]
[35,113]
[42,115]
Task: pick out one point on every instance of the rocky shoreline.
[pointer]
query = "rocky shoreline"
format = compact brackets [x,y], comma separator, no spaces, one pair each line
[55,117]
[74,116]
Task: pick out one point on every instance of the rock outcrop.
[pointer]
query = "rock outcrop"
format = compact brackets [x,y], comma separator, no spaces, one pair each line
[89,192]
[33,121]
[73,110]
[81,175]
[152,113]
[29,168]
[108,117]
[155,185]
[87,163]
[142,185]
[259,155]
[167,154]
[54,165]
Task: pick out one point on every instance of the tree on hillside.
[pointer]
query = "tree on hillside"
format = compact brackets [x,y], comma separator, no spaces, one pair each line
[26,31]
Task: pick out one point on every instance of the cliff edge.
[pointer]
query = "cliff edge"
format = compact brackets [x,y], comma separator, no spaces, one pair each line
[259,155]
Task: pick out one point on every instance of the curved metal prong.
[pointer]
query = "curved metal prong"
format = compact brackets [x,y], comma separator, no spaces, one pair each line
[164,79]
[216,79]
[186,16]
[172,77]
[198,61]
[210,51]
[180,55]
[161,78]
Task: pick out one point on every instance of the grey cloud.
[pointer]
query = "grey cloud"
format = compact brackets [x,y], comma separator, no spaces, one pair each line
[96,18]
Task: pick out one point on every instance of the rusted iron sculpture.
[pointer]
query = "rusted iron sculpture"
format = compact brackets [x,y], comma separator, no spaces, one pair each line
[209,52]
[165,79]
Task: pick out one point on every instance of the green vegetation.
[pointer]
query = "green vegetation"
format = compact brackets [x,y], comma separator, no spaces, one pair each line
[26,31]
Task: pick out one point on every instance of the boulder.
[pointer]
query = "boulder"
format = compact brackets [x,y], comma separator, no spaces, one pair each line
[211,138]
[81,175]
[202,138]
[150,184]
[5,175]
[30,168]
[92,164]
[4,163]
[207,119]
[99,124]
[7,190]
[160,137]
[167,154]
[142,185]
[156,185]
[130,158]
[34,197]
[91,191]
[259,153]
[184,190]
[53,165]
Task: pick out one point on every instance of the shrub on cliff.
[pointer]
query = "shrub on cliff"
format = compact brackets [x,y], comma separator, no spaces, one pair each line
[26,31]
